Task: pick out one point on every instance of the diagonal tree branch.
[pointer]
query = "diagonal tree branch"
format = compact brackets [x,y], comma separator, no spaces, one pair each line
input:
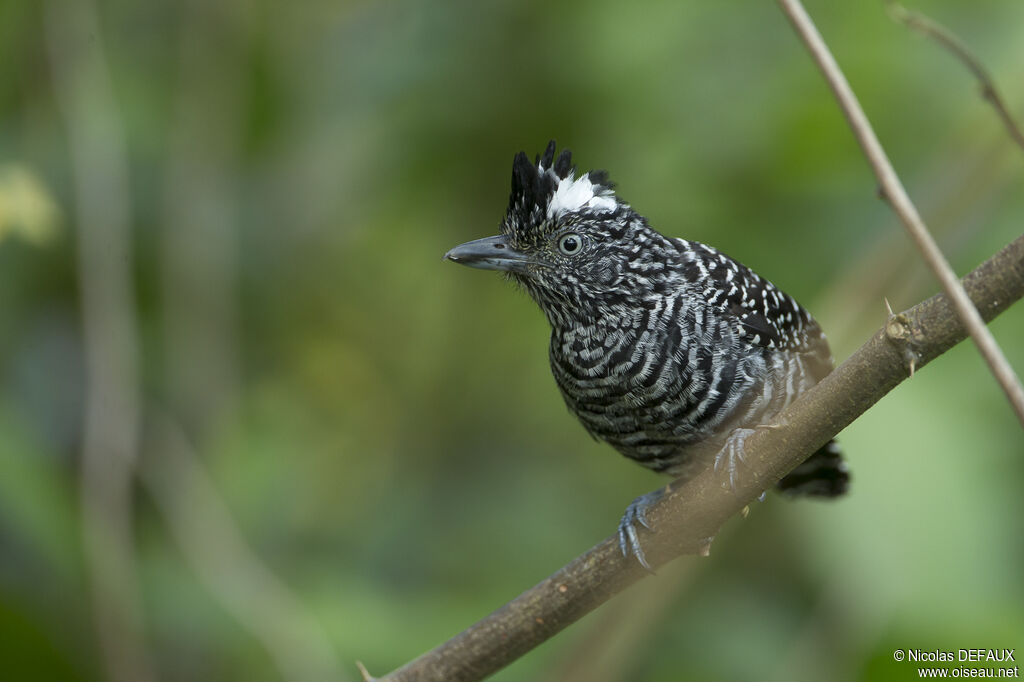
[932,29]
[687,519]
[895,193]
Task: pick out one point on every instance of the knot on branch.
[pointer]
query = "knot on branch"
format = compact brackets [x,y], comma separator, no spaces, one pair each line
[900,332]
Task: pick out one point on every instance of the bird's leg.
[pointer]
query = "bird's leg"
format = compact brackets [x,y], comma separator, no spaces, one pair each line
[636,513]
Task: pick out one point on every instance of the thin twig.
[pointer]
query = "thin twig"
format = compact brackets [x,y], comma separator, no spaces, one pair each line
[943,36]
[109,334]
[695,510]
[894,191]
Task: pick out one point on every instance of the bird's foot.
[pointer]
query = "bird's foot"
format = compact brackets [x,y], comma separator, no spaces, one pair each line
[732,455]
[780,422]
[636,513]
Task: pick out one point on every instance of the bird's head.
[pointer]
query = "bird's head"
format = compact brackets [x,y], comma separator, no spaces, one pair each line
[567,239]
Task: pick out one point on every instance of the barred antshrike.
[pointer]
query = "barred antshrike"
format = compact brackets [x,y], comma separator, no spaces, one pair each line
[667,349]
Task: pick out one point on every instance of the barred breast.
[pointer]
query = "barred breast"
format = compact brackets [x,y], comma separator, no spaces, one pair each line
[665,384]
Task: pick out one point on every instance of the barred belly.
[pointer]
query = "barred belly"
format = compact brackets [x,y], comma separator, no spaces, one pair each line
[648,389]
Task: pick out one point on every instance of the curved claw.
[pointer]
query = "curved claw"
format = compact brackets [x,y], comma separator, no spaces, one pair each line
[733,454]
[636,512]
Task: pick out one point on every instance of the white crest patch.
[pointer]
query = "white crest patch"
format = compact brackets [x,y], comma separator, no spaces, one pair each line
[573,195]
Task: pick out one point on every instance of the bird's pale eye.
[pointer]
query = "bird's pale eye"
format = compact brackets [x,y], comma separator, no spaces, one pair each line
[570,243]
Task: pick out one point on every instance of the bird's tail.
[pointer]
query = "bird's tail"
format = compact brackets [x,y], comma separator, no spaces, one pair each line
[823,474]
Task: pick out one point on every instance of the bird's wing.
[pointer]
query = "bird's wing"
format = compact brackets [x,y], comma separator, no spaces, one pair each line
[765,316]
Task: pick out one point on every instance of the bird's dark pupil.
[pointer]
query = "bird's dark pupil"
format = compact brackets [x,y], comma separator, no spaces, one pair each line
[570,244]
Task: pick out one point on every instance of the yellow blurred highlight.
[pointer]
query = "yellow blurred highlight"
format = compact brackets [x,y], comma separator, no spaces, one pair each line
[26,206]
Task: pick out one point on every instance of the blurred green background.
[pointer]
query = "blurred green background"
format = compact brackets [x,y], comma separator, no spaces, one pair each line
[351,450]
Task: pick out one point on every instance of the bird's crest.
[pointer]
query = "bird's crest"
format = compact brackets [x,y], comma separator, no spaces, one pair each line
[548,188]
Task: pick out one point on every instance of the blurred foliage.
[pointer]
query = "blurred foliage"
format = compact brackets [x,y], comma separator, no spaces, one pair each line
[25,207]
[383,426]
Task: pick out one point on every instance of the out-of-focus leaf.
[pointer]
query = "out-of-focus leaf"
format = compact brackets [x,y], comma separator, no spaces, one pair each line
[27,209]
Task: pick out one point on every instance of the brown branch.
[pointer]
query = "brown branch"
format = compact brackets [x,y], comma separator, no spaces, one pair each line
[947,39]
[692,514]
[895,193]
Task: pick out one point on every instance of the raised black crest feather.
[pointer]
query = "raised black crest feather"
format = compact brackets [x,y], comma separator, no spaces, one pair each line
[564,164]
[532,185]
[530,188]
[549,155]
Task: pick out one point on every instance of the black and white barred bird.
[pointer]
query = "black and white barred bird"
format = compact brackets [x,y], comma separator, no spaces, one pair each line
[667,349]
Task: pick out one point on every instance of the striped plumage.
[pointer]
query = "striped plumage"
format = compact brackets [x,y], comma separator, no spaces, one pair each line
[667,349]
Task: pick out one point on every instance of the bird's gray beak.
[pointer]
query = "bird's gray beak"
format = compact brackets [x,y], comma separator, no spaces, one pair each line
[490,253]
